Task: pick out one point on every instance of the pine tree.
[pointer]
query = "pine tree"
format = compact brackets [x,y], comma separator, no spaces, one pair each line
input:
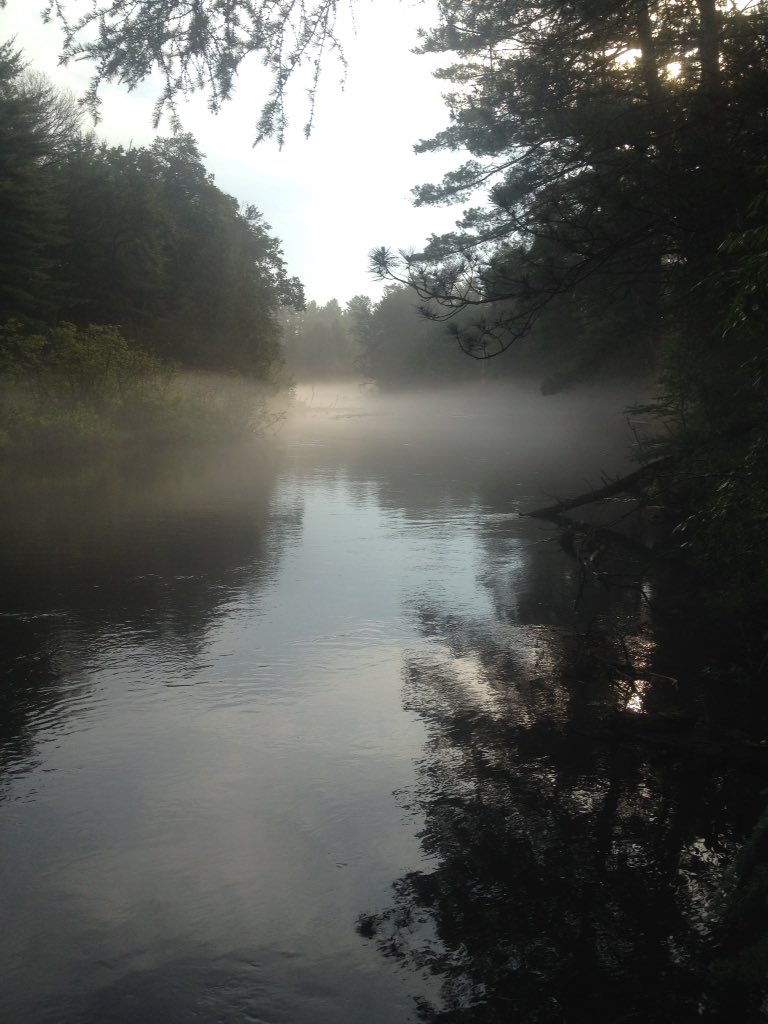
[28,215]
[617,143]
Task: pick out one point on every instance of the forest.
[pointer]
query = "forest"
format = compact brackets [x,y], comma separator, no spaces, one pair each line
[121,268]
[611,177]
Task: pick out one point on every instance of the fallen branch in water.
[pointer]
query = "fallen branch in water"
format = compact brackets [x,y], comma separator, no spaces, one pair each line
[631,673]
[630,482]
[589,542]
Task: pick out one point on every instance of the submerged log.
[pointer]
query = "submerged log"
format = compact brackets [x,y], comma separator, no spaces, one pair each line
[631,482]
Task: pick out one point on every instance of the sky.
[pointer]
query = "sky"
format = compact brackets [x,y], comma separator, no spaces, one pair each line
[332,198]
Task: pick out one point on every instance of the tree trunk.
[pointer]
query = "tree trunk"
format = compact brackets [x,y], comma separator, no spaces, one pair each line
[648,61]
[709,47]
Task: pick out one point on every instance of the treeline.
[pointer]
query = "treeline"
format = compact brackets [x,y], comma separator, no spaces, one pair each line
[139,239]
[389,342]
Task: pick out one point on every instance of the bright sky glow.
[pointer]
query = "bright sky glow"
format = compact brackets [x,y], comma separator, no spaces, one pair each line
[332,198]
[671,70]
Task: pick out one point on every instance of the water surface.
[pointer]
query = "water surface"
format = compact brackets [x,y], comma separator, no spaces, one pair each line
[248,690]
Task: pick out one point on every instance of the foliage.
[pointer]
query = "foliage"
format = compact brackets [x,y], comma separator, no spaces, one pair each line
[68,386]
[400,347]
[200,46]
[143,238]
[742,949]
[711,408]
[215,407]
[153,244]
[93,366]
[616,142]
[388,342]
[27,207]
[745,281]
[320,343]
[58,113]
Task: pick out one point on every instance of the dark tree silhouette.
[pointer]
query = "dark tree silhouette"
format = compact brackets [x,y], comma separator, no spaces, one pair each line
[617,144]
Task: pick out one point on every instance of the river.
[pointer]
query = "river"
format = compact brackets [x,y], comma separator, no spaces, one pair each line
[248,691]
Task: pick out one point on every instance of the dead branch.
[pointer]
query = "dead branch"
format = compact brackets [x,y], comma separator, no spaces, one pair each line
[629,483]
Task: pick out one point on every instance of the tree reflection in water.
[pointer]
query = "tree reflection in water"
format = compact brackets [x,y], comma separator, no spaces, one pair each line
[577,827]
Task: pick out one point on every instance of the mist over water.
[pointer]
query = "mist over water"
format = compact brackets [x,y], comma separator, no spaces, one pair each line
[250,688]
[503,436]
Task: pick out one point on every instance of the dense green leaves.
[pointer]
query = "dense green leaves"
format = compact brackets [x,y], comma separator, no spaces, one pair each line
[68,387]
[143,238]
[27,208]
[713,402]
[96,365]
[154,245]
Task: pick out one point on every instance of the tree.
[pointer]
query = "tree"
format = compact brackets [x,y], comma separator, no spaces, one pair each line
[226,275]
[618,142]
[113,260]
[60,115]
[320,343]
[618,139]
[199,45]
[27,206]
[152,244]
[399,347]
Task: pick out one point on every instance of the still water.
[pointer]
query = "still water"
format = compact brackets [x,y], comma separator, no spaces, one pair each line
[247,692]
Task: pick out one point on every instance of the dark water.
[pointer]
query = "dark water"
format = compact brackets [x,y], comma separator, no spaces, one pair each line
[247,691]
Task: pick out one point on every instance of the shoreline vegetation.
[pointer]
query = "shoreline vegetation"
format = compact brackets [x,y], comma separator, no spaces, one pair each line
[69,393]
[138,302]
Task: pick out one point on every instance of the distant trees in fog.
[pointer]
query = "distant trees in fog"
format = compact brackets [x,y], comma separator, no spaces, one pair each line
[389,342]
[319,344]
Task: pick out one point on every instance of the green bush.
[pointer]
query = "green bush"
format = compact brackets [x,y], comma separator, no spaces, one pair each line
[70,386]
[94,366]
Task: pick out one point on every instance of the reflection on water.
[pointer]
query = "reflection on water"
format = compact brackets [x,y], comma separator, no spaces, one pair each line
[576,850]
[220,666]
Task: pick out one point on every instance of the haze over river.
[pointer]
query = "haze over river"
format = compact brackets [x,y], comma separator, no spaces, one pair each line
[246,691]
